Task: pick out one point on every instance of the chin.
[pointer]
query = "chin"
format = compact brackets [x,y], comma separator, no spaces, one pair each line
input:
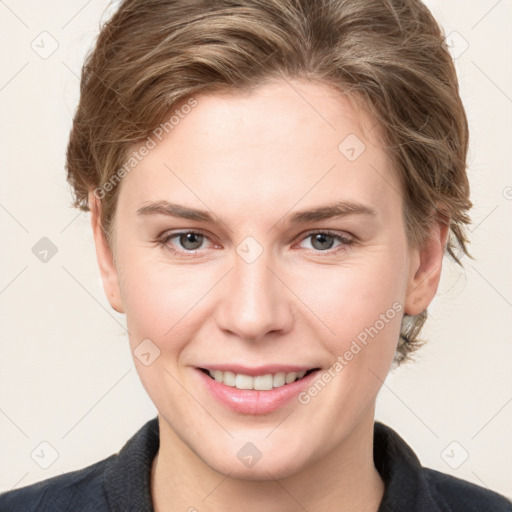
[262,459]
[262,470]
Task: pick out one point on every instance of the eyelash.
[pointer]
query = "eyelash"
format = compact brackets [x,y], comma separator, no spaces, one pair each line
[345,242]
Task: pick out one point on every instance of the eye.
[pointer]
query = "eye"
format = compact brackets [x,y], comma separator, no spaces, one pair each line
[323,241]
[188,242]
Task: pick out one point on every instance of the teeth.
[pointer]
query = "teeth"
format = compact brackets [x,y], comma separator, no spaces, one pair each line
[263,382]
[290,377]
[258,383]
[243,381]
[229,379]
[279,379]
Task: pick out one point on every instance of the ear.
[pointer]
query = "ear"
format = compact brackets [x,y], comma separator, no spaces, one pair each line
[105,257]
[425,271]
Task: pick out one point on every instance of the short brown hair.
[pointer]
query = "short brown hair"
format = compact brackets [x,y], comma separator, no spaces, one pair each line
[154,55]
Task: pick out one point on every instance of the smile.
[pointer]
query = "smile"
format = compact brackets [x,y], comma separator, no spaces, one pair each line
[258,382]
[255,390]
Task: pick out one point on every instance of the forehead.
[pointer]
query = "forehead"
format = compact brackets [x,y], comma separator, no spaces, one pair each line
[287,141]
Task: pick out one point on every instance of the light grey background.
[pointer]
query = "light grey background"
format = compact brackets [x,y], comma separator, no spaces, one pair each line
[67,377]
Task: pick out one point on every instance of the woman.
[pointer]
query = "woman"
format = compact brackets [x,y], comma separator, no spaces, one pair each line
[272,186]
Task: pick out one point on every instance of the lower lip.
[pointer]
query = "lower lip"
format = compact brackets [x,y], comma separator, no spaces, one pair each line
[248,401]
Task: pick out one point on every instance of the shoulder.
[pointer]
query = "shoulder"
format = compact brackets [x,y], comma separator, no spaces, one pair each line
[77,490]
[412,487]
[457,494]
[119,482]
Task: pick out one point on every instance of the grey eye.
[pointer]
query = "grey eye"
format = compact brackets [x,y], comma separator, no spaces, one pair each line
[191,241]
[322,241]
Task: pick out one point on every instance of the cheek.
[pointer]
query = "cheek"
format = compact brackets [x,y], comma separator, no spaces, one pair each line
[157,297]
[353,295]
[160,302]
[362,305]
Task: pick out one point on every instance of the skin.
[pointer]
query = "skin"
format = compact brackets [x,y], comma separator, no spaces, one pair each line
[253,160]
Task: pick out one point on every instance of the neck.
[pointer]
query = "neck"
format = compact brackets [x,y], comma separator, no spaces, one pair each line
[345,480]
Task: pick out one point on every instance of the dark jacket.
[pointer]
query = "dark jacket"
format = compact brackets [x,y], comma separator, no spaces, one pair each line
[121,482]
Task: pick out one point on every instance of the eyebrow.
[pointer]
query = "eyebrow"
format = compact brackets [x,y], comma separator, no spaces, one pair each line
[334,210]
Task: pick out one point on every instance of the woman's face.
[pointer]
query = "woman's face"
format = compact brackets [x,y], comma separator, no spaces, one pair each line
[260,290]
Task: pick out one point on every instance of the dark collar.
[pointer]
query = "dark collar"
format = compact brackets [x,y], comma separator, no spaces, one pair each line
[127,477]
[405,485]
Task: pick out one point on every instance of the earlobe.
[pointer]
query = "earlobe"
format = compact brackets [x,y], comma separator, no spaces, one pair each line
[426,269]
[105,257]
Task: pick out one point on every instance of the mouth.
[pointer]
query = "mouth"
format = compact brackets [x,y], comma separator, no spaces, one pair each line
[263,382]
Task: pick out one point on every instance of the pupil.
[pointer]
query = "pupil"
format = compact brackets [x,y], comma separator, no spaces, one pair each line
[188,238]
[322,239]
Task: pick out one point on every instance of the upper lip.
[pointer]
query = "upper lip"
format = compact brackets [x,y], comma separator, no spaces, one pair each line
[258,370]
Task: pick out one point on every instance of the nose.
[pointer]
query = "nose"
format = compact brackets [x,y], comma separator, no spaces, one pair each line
[256,302]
